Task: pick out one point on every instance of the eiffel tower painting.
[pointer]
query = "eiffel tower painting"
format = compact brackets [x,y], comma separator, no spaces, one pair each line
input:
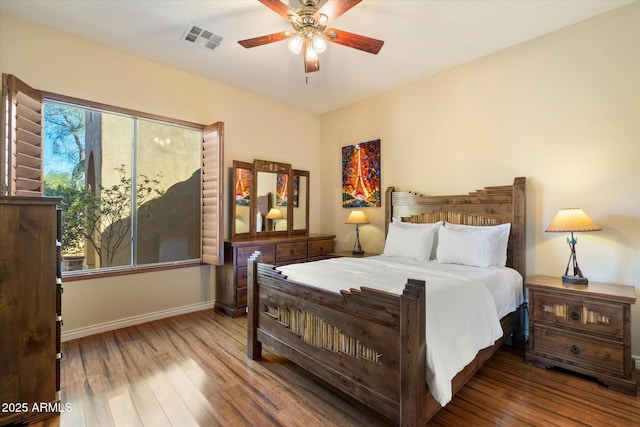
[361,175]
[243,186]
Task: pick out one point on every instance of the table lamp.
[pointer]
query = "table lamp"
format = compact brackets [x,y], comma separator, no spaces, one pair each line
[570,220]
[274,213]
[357,218]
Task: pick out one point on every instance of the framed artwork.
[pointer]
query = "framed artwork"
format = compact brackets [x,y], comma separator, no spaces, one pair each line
[281,189]
[361,175]
[296,190]
[243,187]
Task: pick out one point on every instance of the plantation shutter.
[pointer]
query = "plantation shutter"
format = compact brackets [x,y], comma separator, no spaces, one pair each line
[212,198]
[22,139]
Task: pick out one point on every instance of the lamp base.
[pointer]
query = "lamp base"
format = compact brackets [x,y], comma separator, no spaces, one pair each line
[356,252]
[575,280]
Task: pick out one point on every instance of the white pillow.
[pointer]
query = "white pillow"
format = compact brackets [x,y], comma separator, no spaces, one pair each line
[409,242]
[414,225]
[497,234]
[468,247]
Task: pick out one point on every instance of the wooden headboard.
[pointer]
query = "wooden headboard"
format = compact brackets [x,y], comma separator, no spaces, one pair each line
[489,206]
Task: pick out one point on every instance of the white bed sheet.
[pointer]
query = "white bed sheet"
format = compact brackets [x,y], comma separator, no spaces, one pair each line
[463,304]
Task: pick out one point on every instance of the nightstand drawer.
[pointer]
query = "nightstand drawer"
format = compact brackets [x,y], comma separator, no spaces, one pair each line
[320,248]
[579,314]
[291,251]
[599,354]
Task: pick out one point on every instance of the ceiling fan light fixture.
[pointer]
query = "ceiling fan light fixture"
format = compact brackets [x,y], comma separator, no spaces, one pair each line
[318,44]
[295,44]
[311,54]
[310,34]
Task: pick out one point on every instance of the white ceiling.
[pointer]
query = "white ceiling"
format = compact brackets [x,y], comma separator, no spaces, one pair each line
[422,37]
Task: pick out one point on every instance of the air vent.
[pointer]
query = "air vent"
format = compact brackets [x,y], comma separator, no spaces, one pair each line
[201,37]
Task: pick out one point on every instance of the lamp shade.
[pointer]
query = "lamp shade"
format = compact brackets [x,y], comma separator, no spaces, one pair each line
[357,217]
[572,219]
[274,213]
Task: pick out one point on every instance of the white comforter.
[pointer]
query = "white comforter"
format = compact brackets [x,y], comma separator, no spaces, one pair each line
[463,304]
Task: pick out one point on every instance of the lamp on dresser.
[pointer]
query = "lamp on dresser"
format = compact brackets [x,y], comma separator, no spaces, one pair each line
[570,220]
[274,214]
[357,218]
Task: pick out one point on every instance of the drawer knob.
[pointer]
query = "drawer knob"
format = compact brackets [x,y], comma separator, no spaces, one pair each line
[575,349]
[575,316]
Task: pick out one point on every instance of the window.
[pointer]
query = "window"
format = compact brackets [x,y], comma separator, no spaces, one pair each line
[130,183]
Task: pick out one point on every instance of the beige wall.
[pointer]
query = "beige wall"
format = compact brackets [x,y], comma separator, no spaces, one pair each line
[70,66]
[562,110]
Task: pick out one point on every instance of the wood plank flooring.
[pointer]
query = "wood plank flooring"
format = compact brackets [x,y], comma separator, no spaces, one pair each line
[192,370]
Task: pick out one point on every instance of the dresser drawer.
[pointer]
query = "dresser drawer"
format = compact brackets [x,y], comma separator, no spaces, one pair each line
[579,314]
[600,355]
[290,251]
[241,277]
[241,297]
[319,248]
[267,254]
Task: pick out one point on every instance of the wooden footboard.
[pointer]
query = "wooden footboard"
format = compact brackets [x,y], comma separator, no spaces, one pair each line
[367,343]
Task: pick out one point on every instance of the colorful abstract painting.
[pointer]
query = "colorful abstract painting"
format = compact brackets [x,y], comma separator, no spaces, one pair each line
[281,189]
[243,187]
[361,175]
[296,190]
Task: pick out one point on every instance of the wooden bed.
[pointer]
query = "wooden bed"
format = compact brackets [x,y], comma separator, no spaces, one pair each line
[367,343]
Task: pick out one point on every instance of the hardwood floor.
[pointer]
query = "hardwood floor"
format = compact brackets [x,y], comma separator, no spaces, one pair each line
[192,370]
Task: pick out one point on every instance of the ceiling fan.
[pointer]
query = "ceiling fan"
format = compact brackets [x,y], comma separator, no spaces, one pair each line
[310,30]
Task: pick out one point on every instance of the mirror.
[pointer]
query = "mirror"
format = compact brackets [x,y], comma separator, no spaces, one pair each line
[241,222]
[300,203]
[269,198]
[273,187]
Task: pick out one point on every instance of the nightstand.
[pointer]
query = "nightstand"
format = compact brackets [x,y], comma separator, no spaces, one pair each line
[350,254]
[582,328]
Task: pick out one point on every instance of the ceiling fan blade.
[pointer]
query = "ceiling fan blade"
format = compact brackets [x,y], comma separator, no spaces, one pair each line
[334,9]
[310,64]
[355,41]
[280,8]
[270,38]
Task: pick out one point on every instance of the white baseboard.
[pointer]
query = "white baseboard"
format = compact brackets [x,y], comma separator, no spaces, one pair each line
[133,320]
[637,360]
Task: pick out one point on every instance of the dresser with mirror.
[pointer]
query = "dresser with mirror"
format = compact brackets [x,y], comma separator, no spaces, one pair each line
[270,214]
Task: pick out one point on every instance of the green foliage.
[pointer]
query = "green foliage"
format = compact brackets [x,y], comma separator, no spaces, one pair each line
[54,180]
[59,185]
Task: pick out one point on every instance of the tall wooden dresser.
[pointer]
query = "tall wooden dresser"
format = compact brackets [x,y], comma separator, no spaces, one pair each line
[231,282]
[30,309]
